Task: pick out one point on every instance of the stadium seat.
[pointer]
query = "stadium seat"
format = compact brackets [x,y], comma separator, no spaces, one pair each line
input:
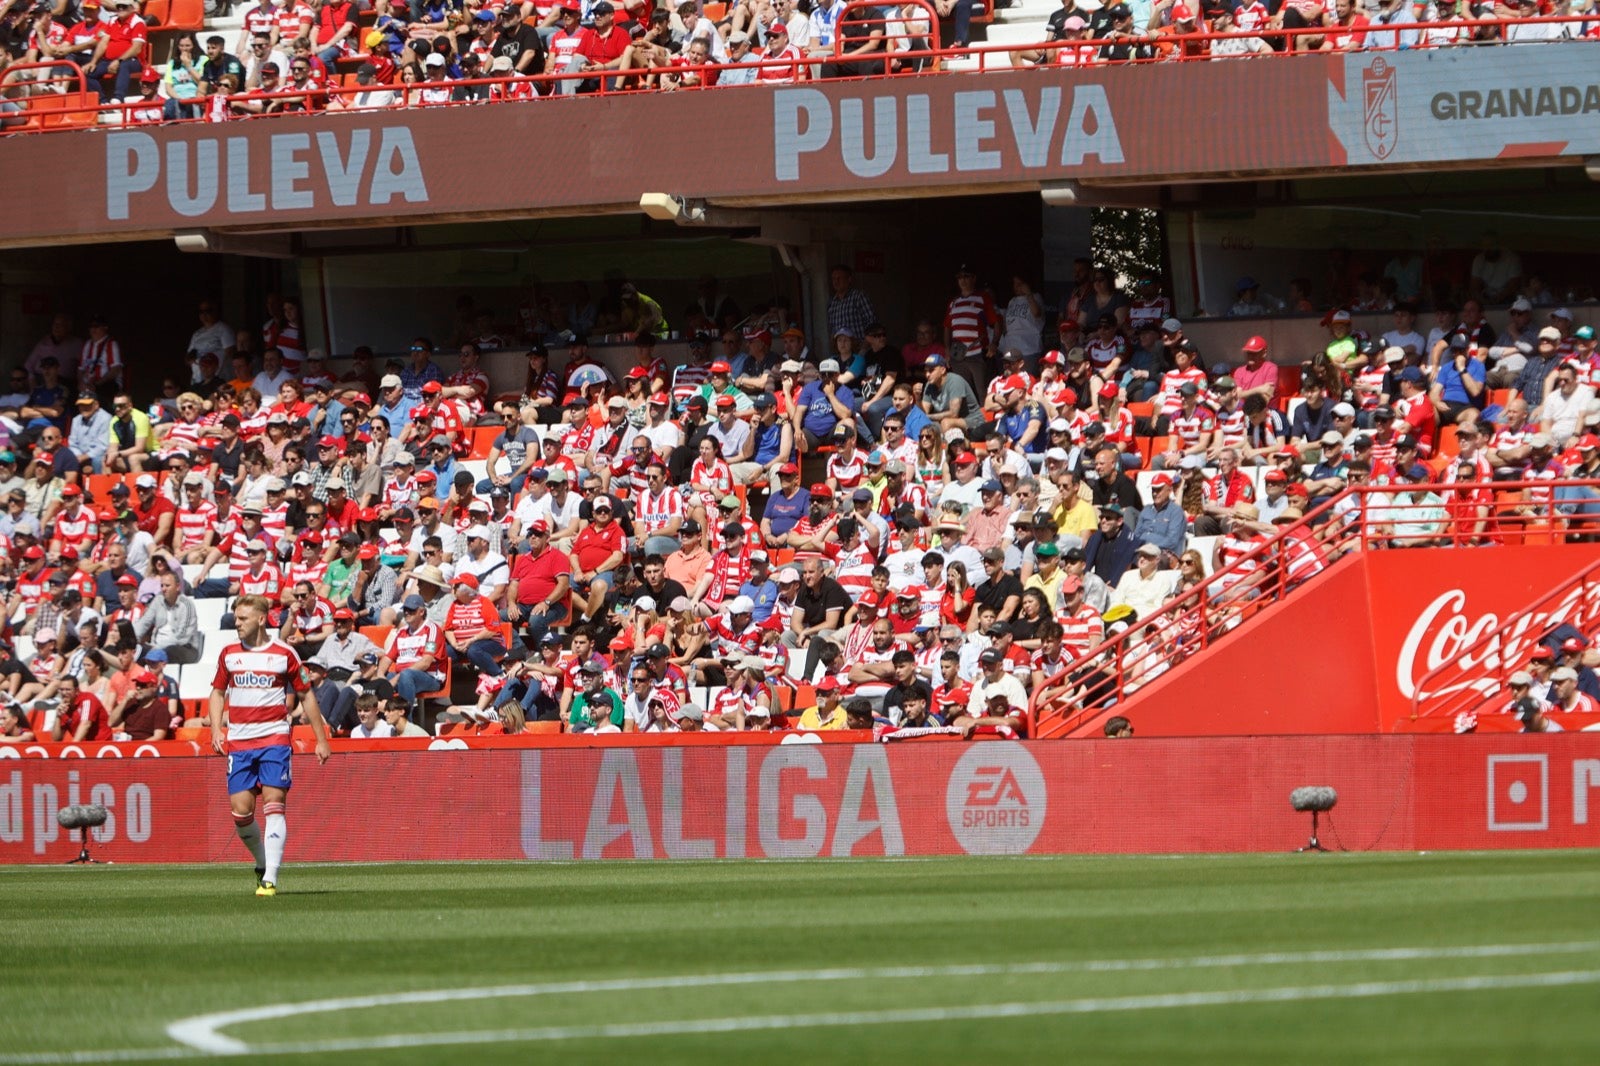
[379,635]
[483,439]
[1447,441]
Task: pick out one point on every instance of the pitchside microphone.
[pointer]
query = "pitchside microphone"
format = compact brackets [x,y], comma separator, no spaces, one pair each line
[1313,798]
[82,817]
[1316,799]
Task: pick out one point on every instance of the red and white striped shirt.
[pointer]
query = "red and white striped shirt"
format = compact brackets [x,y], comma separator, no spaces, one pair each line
[1080,631]
[101,360]
[407,646]
[78,531]
[971,320]
[651,513]
[268,582]
[194,525]
[256,683]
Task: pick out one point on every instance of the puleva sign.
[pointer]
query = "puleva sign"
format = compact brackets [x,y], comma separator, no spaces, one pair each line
[289,171]
[975,131]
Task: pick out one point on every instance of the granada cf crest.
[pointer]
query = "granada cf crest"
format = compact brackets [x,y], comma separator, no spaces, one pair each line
[1382,109]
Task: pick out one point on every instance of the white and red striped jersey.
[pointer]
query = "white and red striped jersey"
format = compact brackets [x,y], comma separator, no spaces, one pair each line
[268,582]
[1152,311]
[1101,353]
[746,641]
[261,18]
[31,588]
[1251,15]
[184,436]
[1369,385]
[853,569]
[312,615]
[1172,381]
[101,360]
[78,531]
[651,513]
[1191,427]
[275,521]
[407,646]
[1081,630]
[294,20]
[780,75]
[848,472]
[256,684]
[399,493]
[193,526]
[728,572]
[1233,566]
[1232,427]
[478,380]
[971,320]
[1303,557]
[716,479]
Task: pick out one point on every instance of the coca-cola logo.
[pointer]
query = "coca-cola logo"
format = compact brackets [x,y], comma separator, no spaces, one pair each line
[1444,634]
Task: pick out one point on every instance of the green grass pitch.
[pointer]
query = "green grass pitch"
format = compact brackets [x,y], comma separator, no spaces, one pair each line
[1256,959]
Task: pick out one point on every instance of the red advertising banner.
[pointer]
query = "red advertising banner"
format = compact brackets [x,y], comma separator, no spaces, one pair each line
[801,800]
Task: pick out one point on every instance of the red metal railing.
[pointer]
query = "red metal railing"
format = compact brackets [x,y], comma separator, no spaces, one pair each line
[78,108]
[1360,518]
[1480,672]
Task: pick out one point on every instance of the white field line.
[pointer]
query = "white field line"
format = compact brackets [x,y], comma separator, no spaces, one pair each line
[198,1037]
[202,1032]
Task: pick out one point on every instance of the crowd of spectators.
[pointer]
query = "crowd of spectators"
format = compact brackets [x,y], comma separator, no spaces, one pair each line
[938,525]
[287,56]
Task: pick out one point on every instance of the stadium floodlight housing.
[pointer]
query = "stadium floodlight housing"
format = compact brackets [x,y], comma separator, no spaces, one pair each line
[1316,799]
[1591,167]
[1060,193]
[664,207]
[82,817]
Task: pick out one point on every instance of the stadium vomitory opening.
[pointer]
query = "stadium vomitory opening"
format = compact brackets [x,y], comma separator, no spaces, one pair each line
[449,443]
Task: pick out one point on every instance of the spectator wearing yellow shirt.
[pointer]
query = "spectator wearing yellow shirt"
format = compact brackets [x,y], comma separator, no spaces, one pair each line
[828,713]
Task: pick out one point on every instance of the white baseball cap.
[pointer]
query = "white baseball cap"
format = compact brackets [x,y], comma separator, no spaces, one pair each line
[741,605]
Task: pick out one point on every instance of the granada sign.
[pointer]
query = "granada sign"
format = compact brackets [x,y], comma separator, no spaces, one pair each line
[1452,104]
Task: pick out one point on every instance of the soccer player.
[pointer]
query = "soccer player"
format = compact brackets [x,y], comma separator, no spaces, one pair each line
[259,682]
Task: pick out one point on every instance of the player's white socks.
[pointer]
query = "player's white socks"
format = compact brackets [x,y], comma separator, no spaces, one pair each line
[277,833]
[250,833]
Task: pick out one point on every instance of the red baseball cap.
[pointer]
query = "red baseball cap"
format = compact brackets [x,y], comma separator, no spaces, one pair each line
[828,684]
[638,371]
[1052,358]
[432,387]
[465,579]
[128,581]
[720,367]
[328,441]
[1109,391]
[819,489]
[539,525]
[1275,476]
[368,514]
[1573,644]
[367,551]
[788,468]
[1541,652]
[1166,479]
[70,491]
[661,399]
[34,552]
[69,552]
[725,400]
[344,614]
[427,475]
[966,459]
[1256,343]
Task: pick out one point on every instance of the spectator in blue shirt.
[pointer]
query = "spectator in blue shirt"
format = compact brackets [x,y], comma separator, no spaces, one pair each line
[786,506]
[421,371]
[1164,522]
[1460,378]
[824,404]
[762,590]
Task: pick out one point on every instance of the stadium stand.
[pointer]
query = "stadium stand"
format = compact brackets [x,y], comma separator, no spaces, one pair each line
[749,540]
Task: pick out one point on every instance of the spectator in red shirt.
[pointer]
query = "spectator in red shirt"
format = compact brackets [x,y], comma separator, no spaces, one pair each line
[121,57]
[81,712]
[541,581]
[154,512]
[598,550]
[602,47]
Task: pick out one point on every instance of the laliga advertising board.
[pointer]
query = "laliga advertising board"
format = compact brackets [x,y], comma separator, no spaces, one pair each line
[802,800]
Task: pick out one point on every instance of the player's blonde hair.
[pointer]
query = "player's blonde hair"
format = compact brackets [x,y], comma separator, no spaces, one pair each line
[258,603]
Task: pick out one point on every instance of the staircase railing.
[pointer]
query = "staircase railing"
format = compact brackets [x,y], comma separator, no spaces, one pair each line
[1359,518]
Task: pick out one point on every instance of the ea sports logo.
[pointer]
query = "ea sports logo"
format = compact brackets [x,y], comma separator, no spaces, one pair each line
[995,799]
